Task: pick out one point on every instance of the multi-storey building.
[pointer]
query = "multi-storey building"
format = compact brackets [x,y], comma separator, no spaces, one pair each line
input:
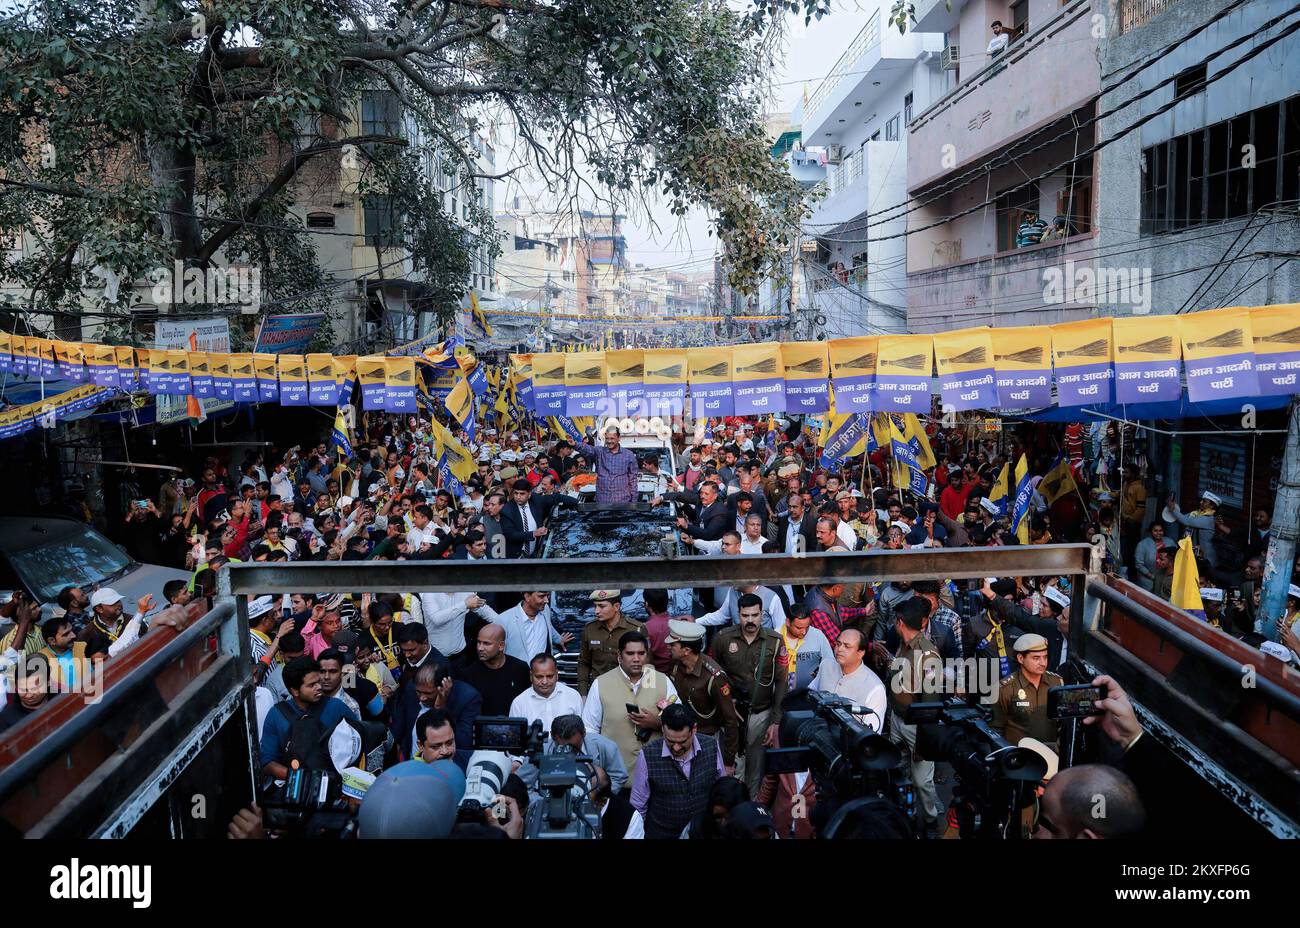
[1200,198]
[853,264]
[1000,148]
[571,263]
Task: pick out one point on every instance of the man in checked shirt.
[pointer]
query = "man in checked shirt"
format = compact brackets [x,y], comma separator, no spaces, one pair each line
[616,468]
[828,616]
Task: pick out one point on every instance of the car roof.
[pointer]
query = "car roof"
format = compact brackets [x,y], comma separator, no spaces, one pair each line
[21,533]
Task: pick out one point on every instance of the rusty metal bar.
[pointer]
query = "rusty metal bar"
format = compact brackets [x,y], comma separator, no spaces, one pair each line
[658,573]
[28,767]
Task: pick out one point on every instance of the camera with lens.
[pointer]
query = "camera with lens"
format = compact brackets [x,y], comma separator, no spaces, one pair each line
[847,759]
[312,803]
[995,780]
[564,779]
[309,804]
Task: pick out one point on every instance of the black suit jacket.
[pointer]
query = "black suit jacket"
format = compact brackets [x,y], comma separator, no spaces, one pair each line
[807,528]
[712,522]
[512,523]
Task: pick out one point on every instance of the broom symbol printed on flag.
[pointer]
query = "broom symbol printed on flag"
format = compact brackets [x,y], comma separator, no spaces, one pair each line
[713,370]
[913,362]
[765,366]
[1161,345]
[1228,339]
[674,370]
[590,373]
[1024,356]
[1091,350]
[635,372]
[552,373]
[812,366]
[861,362]
[1287,337]
[976,355]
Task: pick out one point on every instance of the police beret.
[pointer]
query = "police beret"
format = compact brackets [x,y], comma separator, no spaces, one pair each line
[679,630]
[1027,643]
[606,596]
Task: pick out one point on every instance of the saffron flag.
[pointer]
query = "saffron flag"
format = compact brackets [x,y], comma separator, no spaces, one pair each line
[586,388]
[1082,353]
[1185,590]
[1219,350]
[1276,333]
[1022,362]
[711,374]
[807,377]
[904,366]
[965,363]
[1148,359]
[853,372]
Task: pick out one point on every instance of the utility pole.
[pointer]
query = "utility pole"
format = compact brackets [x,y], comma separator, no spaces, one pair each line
[1283,531]
[1280,560]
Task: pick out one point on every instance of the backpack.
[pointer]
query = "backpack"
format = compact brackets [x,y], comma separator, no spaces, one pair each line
[308,740]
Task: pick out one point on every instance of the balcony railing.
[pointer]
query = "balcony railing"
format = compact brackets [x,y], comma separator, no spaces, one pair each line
[869,37]
[1134,13]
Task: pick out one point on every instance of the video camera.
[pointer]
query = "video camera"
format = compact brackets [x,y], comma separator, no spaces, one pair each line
[995,780]
[311,802]
[564,779]
[847,759]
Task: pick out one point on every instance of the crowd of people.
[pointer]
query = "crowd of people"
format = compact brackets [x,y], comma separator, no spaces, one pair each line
[677,705]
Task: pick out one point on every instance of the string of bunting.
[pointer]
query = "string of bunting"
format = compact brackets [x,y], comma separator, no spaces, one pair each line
[1231,353]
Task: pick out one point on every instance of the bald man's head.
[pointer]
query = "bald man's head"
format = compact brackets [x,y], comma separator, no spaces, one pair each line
[1090,801]
[492,644]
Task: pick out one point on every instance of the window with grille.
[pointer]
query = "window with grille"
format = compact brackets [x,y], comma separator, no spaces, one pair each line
[380,221]
[891,128]
[1224,171]
[380,114]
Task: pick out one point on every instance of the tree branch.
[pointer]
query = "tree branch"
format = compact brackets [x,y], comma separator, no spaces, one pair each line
[278,182]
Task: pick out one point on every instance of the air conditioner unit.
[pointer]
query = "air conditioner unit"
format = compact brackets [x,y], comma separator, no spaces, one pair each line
[950,58]
[834,154]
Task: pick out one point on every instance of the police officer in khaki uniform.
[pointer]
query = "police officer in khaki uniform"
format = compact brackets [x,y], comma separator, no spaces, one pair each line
[756,660]
[704,688]
[915,675]
[1021,709]
[599,651]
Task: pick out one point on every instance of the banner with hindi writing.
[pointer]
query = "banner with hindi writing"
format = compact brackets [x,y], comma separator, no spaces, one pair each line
[1148,360]
[1219,351]
[1082,354]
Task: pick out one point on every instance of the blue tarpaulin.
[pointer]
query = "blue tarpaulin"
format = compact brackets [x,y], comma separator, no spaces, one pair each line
[1133,412]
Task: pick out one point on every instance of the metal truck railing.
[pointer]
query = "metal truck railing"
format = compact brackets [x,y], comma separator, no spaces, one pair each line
[1244,743]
